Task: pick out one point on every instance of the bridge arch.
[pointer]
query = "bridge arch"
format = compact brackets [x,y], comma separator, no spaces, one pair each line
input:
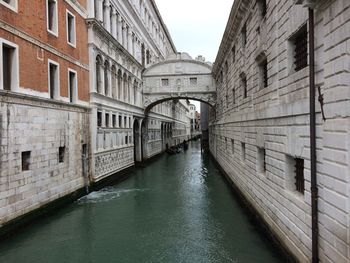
[178,77]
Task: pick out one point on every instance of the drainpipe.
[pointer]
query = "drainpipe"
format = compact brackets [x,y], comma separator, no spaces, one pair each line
[314,189]
[311,5]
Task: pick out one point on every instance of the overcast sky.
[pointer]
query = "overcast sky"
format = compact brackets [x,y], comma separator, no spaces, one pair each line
[196,26]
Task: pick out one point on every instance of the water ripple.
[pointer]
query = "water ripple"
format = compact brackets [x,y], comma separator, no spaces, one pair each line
[105,195]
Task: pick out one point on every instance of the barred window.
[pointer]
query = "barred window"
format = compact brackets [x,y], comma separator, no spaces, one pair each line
[299,175]
[193,81]
[165,82]
[263,74]
[25,160]
[300,49]
[61,152]
[99,119]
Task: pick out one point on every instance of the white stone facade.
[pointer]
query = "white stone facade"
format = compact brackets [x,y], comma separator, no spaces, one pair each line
[124,38]
[255,124]
[41,128]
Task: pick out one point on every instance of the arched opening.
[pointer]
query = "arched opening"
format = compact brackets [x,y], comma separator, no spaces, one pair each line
[98,73]
[114,82]
[106,78]
[125,87]
[137,142]
[144,139]
[120,81]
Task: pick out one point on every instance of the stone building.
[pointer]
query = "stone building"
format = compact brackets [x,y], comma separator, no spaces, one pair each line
[125,37]
[261,133]
[44,94]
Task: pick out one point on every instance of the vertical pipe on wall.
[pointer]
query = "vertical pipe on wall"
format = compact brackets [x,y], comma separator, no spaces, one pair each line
[314,190]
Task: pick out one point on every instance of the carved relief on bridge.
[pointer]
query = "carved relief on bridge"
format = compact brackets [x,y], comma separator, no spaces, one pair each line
[180,77]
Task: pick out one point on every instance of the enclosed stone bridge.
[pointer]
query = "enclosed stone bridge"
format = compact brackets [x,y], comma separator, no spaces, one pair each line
[178,77]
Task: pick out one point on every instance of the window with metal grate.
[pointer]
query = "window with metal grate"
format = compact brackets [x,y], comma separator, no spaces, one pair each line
[299,175]
[300,49]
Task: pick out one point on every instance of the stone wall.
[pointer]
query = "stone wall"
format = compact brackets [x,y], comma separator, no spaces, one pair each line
[41,127]
[256,138]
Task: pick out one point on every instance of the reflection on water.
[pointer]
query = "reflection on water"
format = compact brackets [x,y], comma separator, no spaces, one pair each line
[177,209]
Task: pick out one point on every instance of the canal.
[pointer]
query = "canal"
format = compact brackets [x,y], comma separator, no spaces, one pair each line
[176,209]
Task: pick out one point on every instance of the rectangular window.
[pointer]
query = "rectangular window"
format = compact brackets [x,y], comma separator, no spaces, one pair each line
[243,151]
[107,120]
[99,119]
[233,146]
[295,174]
[300,49]
[72,85]
[71,31]
[193,81]
[53,80]
[120,121]
[9,65]
[261,160]
[233,96]
[244,35]
[11,4]
[125,122]
[244,86]
[52,18]
[126,139]
[233,51]
[263,74]
[25,160]
[263,7]
[165,82]
[299,175]
[61,152]
[114,118]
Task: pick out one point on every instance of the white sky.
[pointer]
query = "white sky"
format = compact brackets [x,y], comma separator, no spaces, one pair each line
[196,26]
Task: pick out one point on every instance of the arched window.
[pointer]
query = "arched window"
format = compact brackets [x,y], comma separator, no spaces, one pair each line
[129,89]
[120,87]
[125,87]
[135,92]
[98,73]
[114,82]
[106,73]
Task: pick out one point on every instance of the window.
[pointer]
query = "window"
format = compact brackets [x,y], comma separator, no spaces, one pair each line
[262,7]
[71,32]
[299,175]
[263,74]
[233,51]
[9,65]
[53,80]
[25,161]
[52,19]
[99,119]
[126,139]
[120,121]
[72,85]
[114,119]
[107,120]
[244,35]
[61,152]
[12,4]
[233,96]
[300,49]
[261,160]
[125,122]
[244,85]
[295,174]
[193,81]
[243,151]
[165,82]
[233,146]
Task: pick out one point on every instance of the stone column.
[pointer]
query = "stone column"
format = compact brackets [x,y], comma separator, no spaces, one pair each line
[114,23]
[99,10]
[107,16]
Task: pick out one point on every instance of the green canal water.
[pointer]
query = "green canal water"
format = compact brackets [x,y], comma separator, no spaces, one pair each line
[176,209]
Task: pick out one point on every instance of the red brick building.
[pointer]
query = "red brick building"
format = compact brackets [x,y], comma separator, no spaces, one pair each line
[44,94]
